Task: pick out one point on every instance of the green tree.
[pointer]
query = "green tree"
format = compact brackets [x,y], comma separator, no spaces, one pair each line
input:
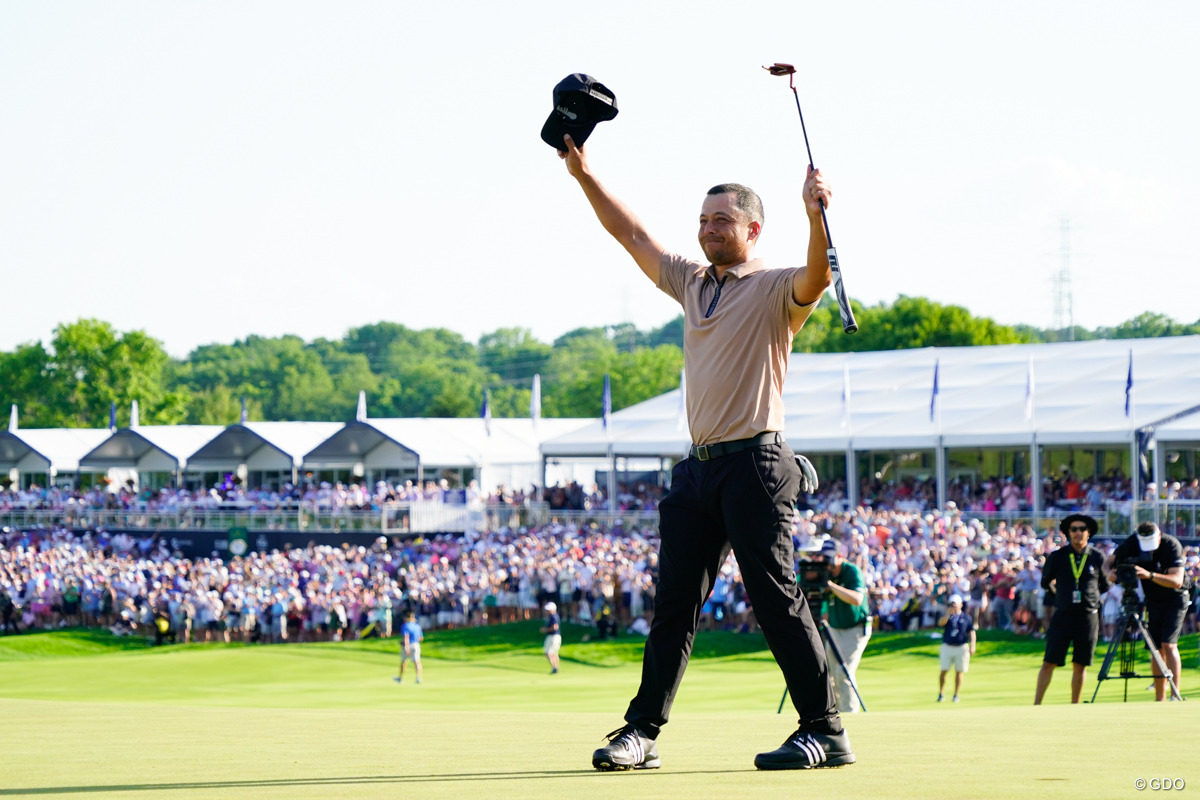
[912,322]
[385,343]
[510,401]
[668,333]
[27,380]
[221,405]
[283,376]
[94,366]
[1147,325]
[577,390]
[823,323]
[433,387]
[513,354]
[351,373]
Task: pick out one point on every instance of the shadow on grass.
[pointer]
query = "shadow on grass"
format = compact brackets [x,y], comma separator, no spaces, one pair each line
[349,780]
[67,642]
[493,642]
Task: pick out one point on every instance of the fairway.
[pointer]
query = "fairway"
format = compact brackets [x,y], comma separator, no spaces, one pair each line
[91,716]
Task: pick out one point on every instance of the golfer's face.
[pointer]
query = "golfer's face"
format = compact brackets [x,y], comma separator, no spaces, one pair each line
[725,232]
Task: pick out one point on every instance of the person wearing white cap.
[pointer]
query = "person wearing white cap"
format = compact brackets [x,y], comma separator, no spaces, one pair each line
[553,631]
[958,645]
[1158,561]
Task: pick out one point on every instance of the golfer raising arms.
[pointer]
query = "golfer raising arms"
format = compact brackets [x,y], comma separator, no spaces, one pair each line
[739,485]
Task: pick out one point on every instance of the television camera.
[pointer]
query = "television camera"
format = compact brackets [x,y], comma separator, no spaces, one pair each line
[814,573]
[1127,577]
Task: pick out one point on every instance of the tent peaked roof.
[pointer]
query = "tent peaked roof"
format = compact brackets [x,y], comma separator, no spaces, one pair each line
[150,447]
[43,449]
[459,442]
[267,445]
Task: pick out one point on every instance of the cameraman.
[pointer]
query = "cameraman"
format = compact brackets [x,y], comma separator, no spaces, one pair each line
[1158,561]
[1075,572]
[848,621]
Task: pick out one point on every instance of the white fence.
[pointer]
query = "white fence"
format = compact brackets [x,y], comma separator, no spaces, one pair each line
[1180,518]
[392,518]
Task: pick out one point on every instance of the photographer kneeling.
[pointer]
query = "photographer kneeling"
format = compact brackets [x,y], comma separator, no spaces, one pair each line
[1157,559]
[849,622]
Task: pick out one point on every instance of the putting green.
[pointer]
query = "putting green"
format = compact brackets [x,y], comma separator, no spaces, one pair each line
[100,718]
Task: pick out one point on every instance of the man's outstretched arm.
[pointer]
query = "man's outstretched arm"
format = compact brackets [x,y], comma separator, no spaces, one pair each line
[812,281]
[616,218]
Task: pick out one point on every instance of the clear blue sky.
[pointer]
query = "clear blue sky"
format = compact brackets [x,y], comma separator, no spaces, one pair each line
[204,171]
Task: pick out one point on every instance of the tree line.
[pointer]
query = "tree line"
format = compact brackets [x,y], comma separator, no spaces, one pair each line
[88,366]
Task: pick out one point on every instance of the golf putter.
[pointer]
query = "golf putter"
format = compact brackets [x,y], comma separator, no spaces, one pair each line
[848,323]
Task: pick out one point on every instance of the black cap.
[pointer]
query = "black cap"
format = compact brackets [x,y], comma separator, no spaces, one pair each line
[1092,525]
[580,102]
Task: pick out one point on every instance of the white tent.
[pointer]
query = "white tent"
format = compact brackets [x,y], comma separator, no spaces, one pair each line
[261,447]
[509,454]
[1078,396]
[1028,395]
[46,451]
[149,448]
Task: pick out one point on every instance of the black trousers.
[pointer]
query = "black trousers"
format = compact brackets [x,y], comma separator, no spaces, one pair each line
[744,500]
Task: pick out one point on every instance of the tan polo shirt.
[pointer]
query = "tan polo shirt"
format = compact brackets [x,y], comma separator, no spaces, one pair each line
[736,350]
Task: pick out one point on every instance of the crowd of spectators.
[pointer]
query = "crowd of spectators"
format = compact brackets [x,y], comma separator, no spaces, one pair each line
[322,495]
[53,578]
[1063,493]
[912,562]
[316,495]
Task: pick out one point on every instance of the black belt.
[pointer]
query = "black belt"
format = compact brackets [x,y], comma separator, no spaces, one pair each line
[707,452]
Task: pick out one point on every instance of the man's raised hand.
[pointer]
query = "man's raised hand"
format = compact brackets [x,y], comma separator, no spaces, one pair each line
[576,161]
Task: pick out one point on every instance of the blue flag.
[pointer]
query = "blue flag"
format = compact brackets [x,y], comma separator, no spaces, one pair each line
[934,398]
[606,409]
[112,416]
[245,416]
[1129,386]
[486,412]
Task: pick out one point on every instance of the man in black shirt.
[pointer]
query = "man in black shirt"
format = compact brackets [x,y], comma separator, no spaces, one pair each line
[1075,572]
[1158,559]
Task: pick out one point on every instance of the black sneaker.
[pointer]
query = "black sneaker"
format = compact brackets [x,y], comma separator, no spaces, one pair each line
[627,748]
[808,750]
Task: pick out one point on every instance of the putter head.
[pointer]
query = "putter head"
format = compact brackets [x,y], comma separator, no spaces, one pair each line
[781,69]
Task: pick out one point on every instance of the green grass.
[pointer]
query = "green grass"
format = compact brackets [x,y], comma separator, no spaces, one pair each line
[91,715]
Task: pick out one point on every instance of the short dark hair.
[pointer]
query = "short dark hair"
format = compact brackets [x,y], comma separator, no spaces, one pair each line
[746,199]
[1147,529]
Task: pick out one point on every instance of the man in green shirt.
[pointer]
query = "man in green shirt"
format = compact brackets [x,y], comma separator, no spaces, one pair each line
[849,622]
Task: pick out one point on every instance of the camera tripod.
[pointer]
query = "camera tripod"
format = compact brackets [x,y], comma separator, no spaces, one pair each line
[841,661]
[1129,634]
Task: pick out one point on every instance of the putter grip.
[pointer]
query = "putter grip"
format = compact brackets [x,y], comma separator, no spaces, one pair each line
[848,323]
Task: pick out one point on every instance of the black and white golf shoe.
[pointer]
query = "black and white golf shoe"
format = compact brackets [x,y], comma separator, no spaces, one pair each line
[808,750]
[627,748]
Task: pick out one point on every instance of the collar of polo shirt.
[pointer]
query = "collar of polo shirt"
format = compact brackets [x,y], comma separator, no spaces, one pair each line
[740,271]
